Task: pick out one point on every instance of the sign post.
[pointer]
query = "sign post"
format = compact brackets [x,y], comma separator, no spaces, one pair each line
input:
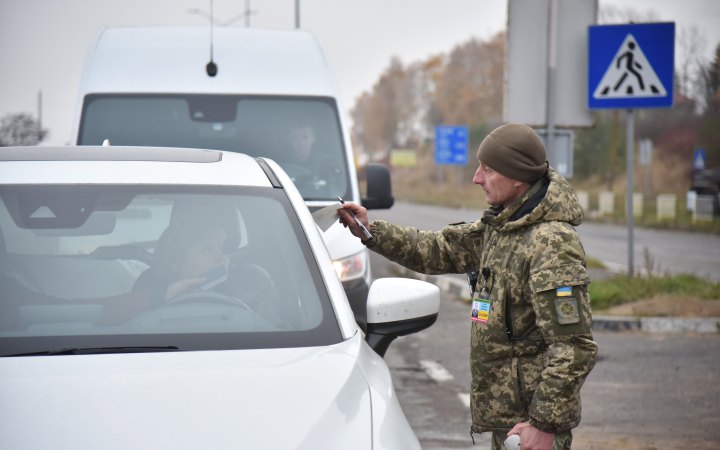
[631,66]
[645,159]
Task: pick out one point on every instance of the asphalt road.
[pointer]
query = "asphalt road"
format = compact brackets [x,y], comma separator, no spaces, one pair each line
[647,391]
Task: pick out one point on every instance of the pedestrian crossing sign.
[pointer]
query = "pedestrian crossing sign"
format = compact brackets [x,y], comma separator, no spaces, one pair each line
[631,66]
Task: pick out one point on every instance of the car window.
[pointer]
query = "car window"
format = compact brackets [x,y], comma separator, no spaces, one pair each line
[301,133]
[193,267]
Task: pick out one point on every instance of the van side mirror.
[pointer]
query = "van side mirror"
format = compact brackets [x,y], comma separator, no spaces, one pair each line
[379,187]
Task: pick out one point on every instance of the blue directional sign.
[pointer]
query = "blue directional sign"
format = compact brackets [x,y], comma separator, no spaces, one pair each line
[631,66]
[699,159]
[451,145]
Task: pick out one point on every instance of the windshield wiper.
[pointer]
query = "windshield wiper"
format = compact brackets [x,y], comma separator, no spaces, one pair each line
[97,351]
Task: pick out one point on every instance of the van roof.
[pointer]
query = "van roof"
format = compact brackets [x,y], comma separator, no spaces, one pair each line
[173,60]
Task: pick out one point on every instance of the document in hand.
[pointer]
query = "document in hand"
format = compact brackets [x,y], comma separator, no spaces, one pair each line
[326,216]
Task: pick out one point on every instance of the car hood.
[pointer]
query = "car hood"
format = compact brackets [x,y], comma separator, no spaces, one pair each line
[301,398]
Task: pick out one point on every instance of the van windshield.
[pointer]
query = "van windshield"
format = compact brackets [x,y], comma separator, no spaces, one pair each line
[302,134]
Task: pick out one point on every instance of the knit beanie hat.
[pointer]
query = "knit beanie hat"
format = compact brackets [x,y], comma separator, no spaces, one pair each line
[514,150]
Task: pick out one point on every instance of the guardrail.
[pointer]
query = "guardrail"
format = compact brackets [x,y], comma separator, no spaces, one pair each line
[661,207]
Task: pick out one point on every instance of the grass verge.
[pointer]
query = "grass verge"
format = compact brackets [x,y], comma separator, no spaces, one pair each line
[624,289]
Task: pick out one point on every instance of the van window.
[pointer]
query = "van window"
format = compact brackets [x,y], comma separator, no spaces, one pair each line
[302,134]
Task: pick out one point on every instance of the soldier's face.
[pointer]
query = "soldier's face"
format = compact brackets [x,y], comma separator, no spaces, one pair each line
[499,189]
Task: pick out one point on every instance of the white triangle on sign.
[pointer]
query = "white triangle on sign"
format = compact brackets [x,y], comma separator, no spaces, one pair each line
[629,75]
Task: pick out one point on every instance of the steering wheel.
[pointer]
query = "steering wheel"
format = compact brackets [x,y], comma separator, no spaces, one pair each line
[206,297]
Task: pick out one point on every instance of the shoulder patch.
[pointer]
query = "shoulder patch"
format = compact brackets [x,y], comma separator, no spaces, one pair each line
[567,310]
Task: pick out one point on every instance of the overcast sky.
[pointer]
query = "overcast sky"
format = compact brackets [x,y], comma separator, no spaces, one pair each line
[43,43]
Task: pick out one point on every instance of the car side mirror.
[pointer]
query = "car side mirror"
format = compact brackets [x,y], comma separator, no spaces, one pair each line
[398,307]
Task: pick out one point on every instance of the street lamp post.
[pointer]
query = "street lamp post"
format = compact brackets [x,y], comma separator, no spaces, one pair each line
[244,15]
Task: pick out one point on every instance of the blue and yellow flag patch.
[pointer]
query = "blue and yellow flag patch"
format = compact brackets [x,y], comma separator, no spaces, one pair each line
[566,306]
[564,291]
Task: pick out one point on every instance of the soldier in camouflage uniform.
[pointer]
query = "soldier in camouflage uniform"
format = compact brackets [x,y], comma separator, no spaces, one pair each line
[531,343]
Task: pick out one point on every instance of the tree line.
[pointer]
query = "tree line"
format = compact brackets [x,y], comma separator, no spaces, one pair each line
[465,87]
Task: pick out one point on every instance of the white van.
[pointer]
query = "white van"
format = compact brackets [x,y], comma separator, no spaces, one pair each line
[244,90]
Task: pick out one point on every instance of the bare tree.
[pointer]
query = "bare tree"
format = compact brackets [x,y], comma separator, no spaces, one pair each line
[464,87]
[20,129]
[470,88]
[708,84]
[691,45]
[392,114]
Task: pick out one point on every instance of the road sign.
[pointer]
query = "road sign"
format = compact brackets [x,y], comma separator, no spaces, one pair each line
[645,155]
[451,145]
[699,159]
[556,59]
[561,156]
[631,66]
[402,157]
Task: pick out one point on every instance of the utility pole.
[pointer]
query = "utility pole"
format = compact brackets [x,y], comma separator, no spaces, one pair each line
[244,15]
[551,68]
[39,116]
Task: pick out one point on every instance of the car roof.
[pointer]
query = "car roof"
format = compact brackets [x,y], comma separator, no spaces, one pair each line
[131,165]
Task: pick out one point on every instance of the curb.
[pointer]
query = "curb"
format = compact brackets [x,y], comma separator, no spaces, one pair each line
[657,324]
[456,285]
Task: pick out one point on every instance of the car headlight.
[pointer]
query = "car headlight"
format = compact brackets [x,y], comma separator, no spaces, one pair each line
[351,267]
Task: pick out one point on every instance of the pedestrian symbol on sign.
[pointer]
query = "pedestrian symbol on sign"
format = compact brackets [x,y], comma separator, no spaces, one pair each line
[629,75]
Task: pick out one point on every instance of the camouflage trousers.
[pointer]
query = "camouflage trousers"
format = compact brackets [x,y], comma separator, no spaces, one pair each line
[562,440]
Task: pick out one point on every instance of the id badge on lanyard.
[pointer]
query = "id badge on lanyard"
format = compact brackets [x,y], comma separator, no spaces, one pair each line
[480,310]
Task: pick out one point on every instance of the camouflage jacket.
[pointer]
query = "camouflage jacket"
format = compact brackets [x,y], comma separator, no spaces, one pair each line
[532,351]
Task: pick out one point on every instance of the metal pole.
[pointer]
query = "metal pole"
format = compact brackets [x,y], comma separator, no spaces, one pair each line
[297,13]
[550,92]
[247,13]
[629,201]
[39,116]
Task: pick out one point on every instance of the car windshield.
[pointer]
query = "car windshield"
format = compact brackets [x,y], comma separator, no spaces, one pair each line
[302,134]
[191,268]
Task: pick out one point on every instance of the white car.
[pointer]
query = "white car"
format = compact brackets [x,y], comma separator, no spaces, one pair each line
[184,299]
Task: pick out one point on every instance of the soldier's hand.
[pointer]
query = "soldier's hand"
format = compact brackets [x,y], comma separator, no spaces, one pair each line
[532,438]
[346,212]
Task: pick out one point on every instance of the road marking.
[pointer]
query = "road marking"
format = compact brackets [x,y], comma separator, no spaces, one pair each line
[436,371]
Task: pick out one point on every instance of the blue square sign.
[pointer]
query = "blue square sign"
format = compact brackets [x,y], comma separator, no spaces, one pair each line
[451,145]
[631,66]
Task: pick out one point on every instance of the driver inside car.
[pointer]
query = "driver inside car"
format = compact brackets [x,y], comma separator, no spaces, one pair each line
[184,259]
[192,264]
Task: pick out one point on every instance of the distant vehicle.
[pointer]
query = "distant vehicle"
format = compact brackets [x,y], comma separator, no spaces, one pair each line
[159,87]
[184,299]
[707,182]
